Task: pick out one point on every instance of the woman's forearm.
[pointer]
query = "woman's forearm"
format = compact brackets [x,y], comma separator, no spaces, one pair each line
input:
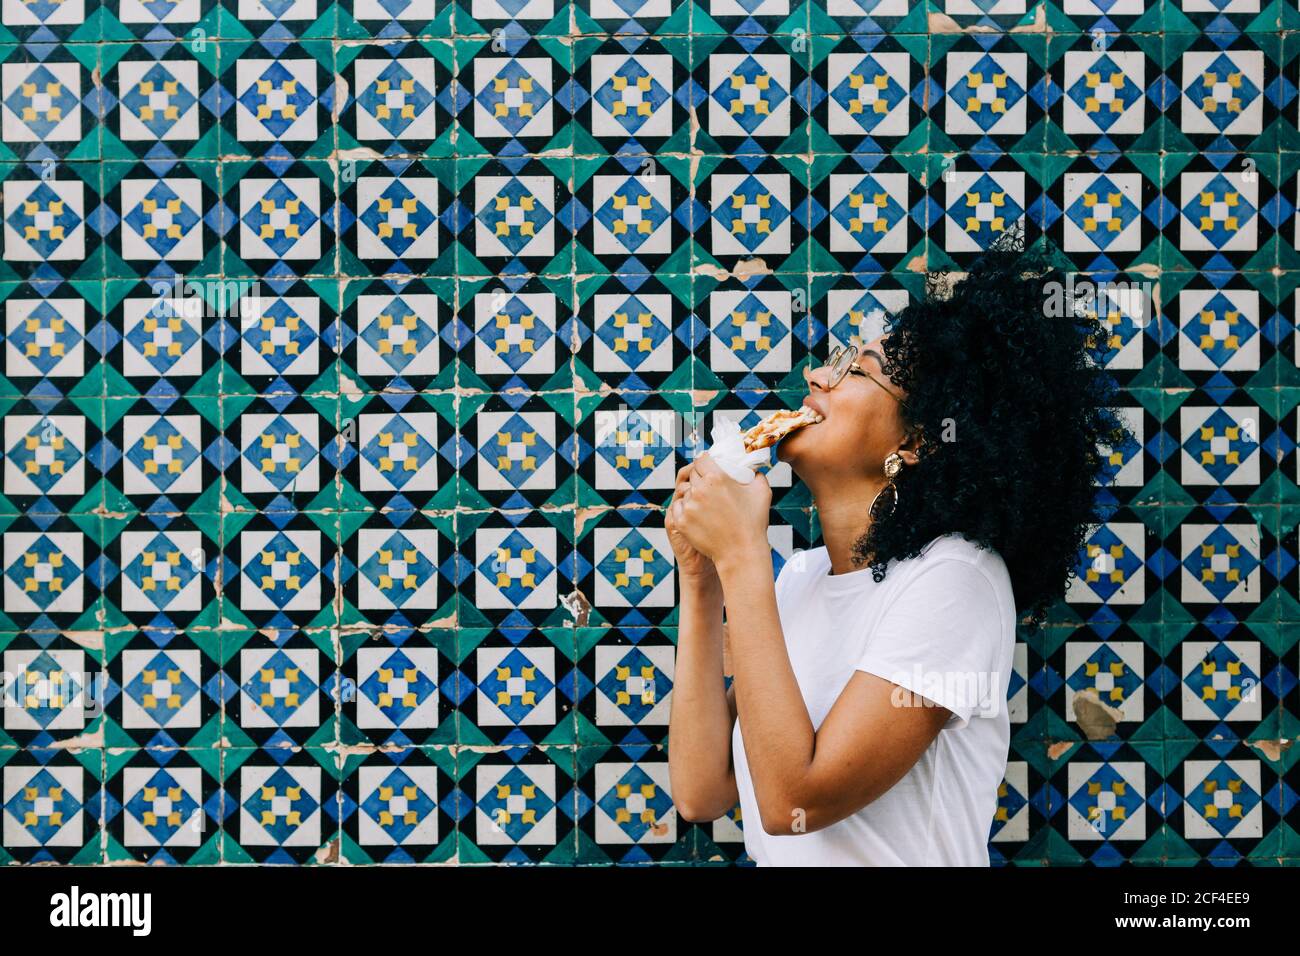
[779,735]
[699,722]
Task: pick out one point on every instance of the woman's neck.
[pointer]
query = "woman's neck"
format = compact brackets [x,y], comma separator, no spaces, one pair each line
[843,512]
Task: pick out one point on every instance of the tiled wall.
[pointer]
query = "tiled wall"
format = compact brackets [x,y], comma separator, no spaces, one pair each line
[371,560]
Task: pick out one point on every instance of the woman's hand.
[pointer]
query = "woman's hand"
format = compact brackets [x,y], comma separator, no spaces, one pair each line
[720,518]
[690,563]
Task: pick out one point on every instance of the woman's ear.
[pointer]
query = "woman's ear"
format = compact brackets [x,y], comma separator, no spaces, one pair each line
[913,447]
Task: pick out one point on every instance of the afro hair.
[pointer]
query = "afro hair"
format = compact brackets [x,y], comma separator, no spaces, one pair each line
[1010,400]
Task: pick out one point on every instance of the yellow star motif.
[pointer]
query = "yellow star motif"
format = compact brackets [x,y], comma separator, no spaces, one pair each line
[528,815]
[642,225]
[997,200]
[32,209]
[53,113]
[622,438]
[174,796]
[291,583]
[528,462]
[409,795]
[291,817]
[288,111]
[409,557]
[149,559]
[291,206]
[407,322]
[31,560]
[624,674]
[528,579]
[763,226]
[173,699]
[1093,81]
[620,108]
[1208,574]
[1208,341]
[1210,810]
[527,697]
[526,203]
[623,320]
[1232,691]
[624,792]
[32,326]
[383,110]
[33,442]
[1119,788]
[387,677]
[645,579]
[763,343]
[1116,576]
[857,81]
[1230,200]
[147,88]
[292,464]
[1116,670]
[858,200]
[503,321]
[409,206]
[1209,104]
[291,322]
[501,85]
[1113,201]
[998,104]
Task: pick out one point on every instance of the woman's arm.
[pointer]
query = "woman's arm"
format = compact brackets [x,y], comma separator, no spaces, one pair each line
[700,715]
[804,780]
[700,720]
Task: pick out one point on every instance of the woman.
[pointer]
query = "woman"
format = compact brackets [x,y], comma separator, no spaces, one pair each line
[953,475]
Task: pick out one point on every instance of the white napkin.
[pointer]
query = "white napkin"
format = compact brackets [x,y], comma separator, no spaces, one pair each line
[728,451]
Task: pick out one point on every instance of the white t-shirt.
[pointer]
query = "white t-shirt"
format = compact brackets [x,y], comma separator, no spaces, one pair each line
[941,625]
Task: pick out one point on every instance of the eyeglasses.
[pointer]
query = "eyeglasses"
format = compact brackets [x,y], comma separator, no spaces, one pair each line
[843,360]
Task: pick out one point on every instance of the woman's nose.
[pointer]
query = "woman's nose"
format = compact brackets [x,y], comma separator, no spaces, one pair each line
[812,379]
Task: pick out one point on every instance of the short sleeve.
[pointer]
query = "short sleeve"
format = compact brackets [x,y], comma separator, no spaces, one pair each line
[939,638]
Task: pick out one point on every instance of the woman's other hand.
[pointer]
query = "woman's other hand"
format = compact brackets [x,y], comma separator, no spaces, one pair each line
[721,518]
[690,563]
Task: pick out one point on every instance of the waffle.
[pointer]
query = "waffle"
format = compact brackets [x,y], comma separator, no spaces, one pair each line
[777,425]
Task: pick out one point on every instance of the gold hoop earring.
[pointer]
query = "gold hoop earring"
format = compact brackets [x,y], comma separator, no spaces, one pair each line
[893,465]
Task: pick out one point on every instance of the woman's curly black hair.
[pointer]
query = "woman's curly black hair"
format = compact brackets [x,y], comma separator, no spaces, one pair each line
[1010,398]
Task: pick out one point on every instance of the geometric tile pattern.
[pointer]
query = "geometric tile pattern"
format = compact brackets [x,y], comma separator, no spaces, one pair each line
[350,349]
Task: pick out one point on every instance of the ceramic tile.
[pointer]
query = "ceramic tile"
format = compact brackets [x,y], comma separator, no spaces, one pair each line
[350,350]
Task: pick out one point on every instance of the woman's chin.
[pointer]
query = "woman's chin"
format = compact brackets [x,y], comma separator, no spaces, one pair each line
[787,449]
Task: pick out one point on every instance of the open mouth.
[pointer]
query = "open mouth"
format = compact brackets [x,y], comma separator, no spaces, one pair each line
[812,407]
